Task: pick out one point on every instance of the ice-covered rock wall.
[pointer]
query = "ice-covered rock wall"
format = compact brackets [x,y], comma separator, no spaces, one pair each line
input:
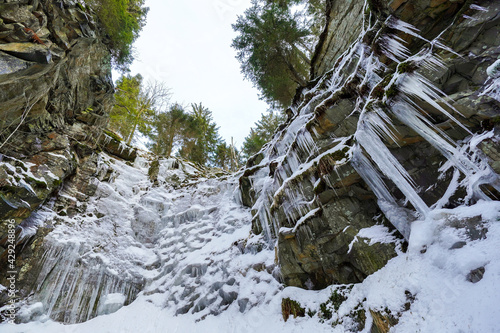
[398,120]
[55,95]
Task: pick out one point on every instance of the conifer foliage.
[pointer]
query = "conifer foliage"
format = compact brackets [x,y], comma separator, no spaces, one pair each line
[261,133]
[122,20]
[169,129]
[274,48]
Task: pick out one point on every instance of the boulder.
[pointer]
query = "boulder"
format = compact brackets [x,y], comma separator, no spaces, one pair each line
[28,52]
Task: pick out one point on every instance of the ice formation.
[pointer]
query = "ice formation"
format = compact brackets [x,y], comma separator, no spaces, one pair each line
[184,246]
[295,149]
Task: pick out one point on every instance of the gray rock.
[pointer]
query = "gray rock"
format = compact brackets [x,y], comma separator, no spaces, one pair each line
[10,64]
[328,197]
[28,52]
[54,100]
[476,275]
[339,34]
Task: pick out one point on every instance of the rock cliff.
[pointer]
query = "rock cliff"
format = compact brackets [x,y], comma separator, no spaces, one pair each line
[55,95]
[395,85]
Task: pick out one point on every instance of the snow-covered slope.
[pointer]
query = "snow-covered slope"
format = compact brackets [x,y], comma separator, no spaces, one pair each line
[185,242]
[190,248]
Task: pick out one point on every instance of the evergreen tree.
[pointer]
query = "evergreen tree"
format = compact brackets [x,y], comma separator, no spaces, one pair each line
[201,138]
[273,49]
[262,133]
[223,156]
[227,157]
[122,20]
[136,105]
[192,135]
[169,130]
[253,143]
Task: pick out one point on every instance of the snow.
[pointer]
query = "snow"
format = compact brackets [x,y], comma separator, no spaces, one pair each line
[114,299]
[442,299]
[306,217]
[477,139]
[142,316]
[493,70]
[182,243]
[376,234]
[58,156]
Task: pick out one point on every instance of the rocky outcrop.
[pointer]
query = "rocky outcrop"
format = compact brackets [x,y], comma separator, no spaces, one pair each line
[341,29]
[55,91]
[55,94]
[321,189]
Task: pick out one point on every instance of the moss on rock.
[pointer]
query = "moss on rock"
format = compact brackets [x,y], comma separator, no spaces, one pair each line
[291,307]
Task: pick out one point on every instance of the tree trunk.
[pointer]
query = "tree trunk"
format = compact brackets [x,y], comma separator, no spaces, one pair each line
[136,121]
[301,54]
[169,145]
[131,135]
[299,79]
[295,75]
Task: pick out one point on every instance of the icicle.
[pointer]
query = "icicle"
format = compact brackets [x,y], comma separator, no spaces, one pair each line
[416,85]
[396,215]
[477,7]
[394,23]
[367,136]
[452,188]
[392,47]
[107,139]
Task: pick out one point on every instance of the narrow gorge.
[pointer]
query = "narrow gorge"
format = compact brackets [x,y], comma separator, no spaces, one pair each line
[374,207]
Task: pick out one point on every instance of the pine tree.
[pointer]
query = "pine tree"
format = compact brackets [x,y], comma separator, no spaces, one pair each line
[273,49]
[201,138]
[169,130]
[136,105]
[227,157]
[262,133]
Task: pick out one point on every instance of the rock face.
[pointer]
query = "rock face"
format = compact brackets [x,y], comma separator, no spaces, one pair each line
[342,28]
[55,91]
[55,94]
[372,136]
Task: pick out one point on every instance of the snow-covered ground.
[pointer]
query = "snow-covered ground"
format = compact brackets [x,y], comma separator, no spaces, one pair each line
[203,273]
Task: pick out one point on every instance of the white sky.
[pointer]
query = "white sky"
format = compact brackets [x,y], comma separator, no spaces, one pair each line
[187,45]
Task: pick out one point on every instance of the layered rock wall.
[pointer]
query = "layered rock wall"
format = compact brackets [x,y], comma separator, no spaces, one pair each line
[55,95]
[305,187]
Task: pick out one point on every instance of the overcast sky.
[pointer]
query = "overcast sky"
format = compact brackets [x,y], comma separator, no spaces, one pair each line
[187,45]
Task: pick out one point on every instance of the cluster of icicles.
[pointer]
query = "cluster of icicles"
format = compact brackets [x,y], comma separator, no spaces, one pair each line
[295,151]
